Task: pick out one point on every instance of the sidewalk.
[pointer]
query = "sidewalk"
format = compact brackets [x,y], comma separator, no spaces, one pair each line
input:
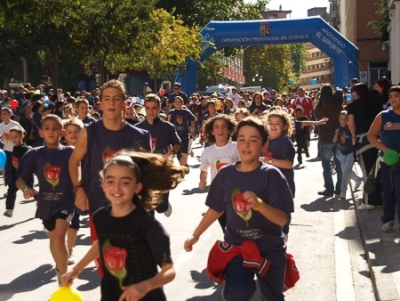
[382,252]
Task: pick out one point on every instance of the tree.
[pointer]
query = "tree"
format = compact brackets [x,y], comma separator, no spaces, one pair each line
[162,45]
[199,13]
[272,62]
[381,26]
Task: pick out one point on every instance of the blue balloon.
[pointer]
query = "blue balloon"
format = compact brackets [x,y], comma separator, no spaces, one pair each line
[291,81]
[314,81]
[46,102]
[3,158]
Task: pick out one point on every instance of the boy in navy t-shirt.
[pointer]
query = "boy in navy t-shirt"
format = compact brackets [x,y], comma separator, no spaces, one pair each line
[181,118]
[164,138]
[16,137]
[55,199]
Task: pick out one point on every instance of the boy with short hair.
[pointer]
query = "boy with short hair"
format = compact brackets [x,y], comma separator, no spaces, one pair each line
[16,136]
[55,199]
[384,134]
[82,110]
[164,138]
[5,126]
[181,118]
[302,134]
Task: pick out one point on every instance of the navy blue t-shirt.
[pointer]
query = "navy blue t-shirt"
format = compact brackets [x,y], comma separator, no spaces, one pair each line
[55,186]
[346,141]
[268,183]
[102,144]
[282,148]
[163,134]
[261,108]
[87,120]
[181,120]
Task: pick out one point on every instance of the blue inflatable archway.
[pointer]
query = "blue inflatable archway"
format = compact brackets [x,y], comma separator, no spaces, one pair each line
[281,31]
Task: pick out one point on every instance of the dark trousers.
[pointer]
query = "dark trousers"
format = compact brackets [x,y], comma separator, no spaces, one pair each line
[12,191]
[240,285]
[164,203]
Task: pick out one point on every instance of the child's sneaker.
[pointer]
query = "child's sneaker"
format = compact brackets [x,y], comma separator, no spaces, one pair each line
[71,258]
[168,212]
[388,226]
[8,213]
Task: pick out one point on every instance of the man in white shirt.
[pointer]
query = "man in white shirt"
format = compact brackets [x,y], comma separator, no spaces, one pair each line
[234,96]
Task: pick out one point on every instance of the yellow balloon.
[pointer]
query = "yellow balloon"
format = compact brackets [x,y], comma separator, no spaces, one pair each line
[219,106]
[66,293]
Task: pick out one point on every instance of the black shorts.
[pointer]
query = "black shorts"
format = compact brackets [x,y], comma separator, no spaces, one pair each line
[184,148]
[50,224]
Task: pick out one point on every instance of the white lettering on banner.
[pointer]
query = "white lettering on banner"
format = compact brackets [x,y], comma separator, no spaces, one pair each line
[329,43]
[333,37]
[265,39]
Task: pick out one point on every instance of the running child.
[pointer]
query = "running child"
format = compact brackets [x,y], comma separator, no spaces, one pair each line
[55,199]
[131,183]
[302,134]
[279,150]
[82,109]
[384,134]
[5,126]
[181,118]
[16,136]
[221,152]
[72,127]
[346,154]
[257,200]
[163,136]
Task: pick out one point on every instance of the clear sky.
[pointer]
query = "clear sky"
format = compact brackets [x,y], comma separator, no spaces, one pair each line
[298,7]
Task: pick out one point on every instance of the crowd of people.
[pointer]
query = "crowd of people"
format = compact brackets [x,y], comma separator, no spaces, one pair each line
[100,154]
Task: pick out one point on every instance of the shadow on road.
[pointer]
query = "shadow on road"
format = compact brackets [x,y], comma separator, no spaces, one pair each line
[5,227]
[35,234]
[325,204]
[29,281]
[203,282]
[92,277]
[195,190]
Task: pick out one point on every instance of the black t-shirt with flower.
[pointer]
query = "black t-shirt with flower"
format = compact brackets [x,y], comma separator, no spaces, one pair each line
[131,248]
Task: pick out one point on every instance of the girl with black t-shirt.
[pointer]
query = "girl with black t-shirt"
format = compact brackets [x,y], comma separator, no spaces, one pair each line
[131,242]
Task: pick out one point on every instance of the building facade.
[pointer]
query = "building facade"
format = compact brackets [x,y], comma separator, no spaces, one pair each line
[394,40]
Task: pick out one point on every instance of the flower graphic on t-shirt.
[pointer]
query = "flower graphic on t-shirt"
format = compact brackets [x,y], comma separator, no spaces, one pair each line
[15,162]
[153,144]
[343,138]
[6,137]
[179,119]
[241,206]
[107,154]
[114,260]
[219,164]
[52,174]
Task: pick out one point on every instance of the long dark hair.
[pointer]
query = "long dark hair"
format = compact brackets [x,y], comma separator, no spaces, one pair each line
[326,95]
[158,174]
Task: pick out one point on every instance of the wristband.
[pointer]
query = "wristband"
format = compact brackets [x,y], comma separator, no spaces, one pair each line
[77,187]
[258,207]
[25,188]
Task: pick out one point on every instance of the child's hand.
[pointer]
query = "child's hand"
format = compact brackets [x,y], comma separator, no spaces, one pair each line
[30,193]
[134,292]
[251,198]
[68,277]
[337,132]
[188,246]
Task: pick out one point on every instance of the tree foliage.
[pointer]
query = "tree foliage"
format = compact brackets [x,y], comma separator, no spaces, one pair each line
[273,63]
[161,46]
[199,13]
[381,26]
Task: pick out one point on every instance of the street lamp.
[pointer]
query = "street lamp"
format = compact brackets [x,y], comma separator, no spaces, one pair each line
[256,78]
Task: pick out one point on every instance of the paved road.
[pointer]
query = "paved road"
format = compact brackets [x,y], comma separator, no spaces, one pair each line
[324,239]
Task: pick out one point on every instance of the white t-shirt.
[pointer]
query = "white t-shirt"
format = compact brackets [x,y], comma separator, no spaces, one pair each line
[235,98]
[214,157]
[5,134]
